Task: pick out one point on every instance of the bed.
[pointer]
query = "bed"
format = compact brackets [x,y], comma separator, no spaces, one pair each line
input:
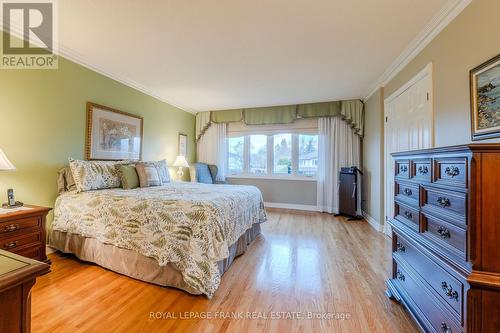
[182,235]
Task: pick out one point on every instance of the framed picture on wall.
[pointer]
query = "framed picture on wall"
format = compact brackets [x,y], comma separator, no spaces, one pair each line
[485,100]
[112,134]
[182,149]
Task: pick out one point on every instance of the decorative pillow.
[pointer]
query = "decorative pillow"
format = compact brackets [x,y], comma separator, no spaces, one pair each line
[162,168]
[95,175]
[65,181]
[202,173]
[128,176]
[148,175]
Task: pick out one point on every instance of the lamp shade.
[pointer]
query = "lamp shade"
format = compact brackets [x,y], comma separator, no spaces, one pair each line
[5,164]
[180,161]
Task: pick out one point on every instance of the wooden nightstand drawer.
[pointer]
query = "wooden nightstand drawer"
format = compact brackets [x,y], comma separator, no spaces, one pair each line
[22,231]
[33,252]
[9,227]
[19,241]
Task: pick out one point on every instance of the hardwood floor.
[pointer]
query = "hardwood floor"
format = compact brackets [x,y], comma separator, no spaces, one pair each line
[303,262]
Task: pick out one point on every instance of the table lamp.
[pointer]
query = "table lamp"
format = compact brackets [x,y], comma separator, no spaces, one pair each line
[6,165]
[181,162]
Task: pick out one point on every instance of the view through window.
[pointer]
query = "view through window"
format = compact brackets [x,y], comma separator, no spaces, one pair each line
[283,154]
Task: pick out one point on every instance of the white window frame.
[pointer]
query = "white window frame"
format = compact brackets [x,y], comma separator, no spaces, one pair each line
[270,158]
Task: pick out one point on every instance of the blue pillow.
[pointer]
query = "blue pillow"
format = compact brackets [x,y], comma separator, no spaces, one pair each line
[203,174]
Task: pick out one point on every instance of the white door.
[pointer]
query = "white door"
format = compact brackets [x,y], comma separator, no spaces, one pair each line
[408,126]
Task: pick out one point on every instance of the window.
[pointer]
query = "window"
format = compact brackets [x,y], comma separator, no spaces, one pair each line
[235,157]
[280,155]
[308,155]
[258,154]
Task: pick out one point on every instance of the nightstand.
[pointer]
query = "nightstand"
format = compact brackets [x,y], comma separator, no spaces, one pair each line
[22,231]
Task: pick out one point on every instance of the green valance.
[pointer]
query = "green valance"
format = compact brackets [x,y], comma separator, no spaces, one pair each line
[271,115]
[325,109]
[202,123]
[351,111]
[227,116]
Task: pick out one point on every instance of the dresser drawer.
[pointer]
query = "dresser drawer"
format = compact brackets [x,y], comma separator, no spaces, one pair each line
[408,193]
[10,227]
[443,283]
[407,215]
[15,242]
[445,234]
[403,169]
[421,170]
[434,316]
[451,171]
[446,202]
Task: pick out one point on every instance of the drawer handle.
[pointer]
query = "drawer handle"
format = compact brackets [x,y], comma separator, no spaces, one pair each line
[407,191]
[452,294]
[11,227]
[400,275]
[403,168]
[445,328]
[443,201]
[10,245]
[452,171]
[408,215]
[444,233]
[400,247]
[423,170]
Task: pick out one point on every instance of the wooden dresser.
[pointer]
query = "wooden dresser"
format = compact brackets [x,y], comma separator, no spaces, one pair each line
[446,237]
[17,276]
[23,232]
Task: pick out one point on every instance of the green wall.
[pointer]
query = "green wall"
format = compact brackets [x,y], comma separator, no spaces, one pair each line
[42,124]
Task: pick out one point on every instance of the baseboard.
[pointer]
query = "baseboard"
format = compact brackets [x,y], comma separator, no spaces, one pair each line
[311,208]
[49,250]
[374,223]
[388,230]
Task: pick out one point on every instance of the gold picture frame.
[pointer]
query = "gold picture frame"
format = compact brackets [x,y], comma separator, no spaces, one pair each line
[112,134]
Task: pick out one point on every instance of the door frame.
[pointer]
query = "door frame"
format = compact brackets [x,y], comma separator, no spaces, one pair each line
[427,70]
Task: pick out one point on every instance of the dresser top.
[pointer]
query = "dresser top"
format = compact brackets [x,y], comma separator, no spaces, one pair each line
[475,147]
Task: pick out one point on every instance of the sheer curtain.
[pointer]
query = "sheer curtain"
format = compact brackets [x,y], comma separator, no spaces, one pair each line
[211,148]
[339,146]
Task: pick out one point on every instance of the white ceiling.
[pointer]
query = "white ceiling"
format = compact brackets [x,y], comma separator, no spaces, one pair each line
[220,54]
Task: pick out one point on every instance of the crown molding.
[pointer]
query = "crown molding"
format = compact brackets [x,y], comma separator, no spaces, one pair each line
[372,92]
[438,22]
[73,56]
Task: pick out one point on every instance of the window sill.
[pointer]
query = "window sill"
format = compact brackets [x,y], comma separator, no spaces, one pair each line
[267,177]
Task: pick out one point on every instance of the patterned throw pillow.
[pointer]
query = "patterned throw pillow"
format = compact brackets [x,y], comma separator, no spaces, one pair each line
[95,175]
[148,175]
[128,176]
[162,168]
